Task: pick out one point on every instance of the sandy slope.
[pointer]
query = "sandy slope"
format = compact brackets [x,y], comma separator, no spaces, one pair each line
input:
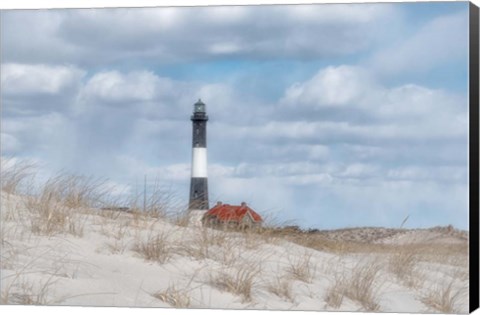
[94,262]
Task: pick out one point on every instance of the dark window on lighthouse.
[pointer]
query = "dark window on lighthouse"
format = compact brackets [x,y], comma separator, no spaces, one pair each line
[196,194]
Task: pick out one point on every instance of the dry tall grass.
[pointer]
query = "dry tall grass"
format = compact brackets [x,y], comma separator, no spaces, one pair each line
[157,248]
[17,288]
[173,296]
[335,293]
[48,217]
[239,281]
[181,218]
[15,173]
[117,234]
[302,267]
[444,298]
[360,285]
[160,202]
[54,208]
[28,292]
[281,286]
[403,265]
[58,207]
[78,191]
[203,244]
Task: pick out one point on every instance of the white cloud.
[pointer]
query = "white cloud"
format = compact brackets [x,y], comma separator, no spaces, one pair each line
[276,169]
[333,86]
[179,171]
[163,35]
[216,170]
[359,170]
[113,86]
[116,189]
[408,111]
[24,79]
[334,13]
[343,140]
[263,194]
[425,173]
[442,40]
[225,48]
[31,36]
[146,95]
[9,143]
[317,152]
[389,202]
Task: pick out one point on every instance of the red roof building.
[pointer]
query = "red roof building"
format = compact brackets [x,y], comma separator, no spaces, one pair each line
[241,215]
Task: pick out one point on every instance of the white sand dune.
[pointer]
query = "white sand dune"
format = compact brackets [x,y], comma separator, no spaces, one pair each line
[108,258]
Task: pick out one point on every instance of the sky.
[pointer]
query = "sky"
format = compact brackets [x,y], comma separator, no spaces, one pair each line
[325,116]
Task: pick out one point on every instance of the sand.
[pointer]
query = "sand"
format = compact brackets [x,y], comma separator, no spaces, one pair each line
[109,258]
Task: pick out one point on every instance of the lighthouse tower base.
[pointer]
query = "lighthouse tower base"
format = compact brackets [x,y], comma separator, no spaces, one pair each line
[195,217]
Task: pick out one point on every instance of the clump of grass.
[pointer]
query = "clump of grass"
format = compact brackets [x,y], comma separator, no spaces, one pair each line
[161,199]
[181,219]
[302,268]
[461,274]
[403,265]
[48,217]
[8,252]
[15,173]
[359,285]
[27,292]
[336,292]
[252,238]
[201,245]
[155,248]
[238,281]
[78,191]
[18,289]
[281,287]
[174,297]
[53,208]
[109,214]
[118,233]
[443,298]
[228,254]
[116,247]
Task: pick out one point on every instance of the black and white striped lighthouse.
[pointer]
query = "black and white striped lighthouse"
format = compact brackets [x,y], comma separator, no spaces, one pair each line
[199,179]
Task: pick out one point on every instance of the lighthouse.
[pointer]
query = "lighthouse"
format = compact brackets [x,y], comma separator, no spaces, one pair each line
[199,180]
